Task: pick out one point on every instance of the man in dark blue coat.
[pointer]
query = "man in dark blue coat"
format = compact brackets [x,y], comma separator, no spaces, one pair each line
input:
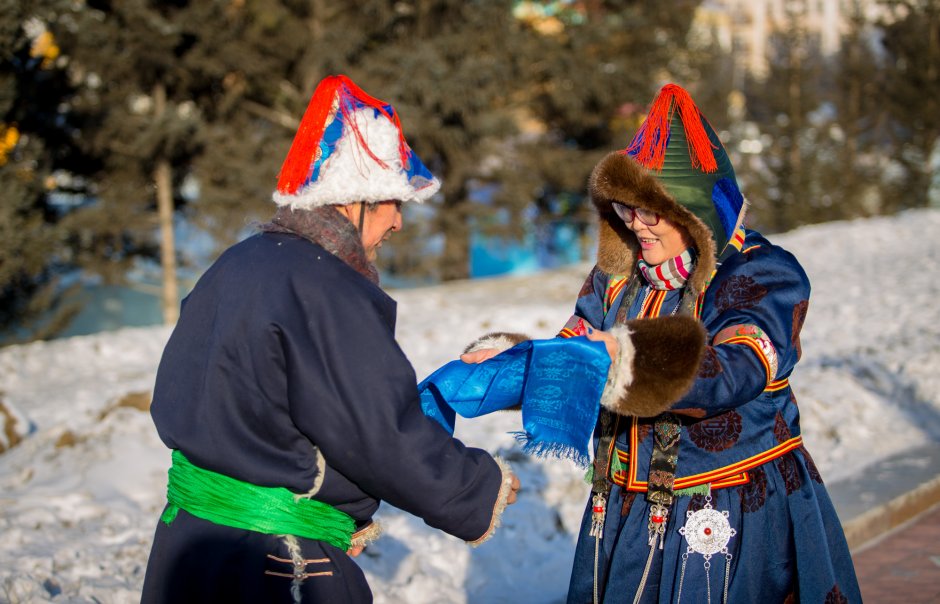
[290,409]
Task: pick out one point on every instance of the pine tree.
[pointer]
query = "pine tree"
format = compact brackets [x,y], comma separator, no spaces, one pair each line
[911,94]
[512,110]
[855,158]
[782,181]
[144,126]
[40,171]
[190,107]
[588,75]
[187,123]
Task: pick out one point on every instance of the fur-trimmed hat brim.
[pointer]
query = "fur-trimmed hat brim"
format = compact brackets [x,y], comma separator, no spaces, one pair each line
[618,178]
[351,175]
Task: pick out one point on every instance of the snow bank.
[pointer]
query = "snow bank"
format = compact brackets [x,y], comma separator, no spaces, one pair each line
[80,494]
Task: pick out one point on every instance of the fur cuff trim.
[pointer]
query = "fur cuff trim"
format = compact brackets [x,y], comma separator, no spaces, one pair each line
[502,500]
[501,341]
[667,352]
[366,536]
[620,375]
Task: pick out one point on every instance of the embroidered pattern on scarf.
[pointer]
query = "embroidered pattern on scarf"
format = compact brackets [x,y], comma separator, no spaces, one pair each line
[671,274]
[330,230]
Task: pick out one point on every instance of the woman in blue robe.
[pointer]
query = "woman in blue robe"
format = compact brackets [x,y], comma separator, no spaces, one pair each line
[703,490]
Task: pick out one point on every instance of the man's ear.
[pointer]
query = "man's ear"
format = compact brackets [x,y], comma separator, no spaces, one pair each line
[346,210]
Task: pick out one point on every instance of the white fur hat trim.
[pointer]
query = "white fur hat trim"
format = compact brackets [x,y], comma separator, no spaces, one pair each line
[351,175]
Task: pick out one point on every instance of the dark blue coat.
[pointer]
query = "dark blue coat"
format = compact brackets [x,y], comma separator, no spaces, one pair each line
[282,353]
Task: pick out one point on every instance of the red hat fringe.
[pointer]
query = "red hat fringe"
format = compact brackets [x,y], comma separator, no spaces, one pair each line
[297,166]
[649,144]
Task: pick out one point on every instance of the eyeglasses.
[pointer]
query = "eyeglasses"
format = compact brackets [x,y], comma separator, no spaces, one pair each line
[628,213]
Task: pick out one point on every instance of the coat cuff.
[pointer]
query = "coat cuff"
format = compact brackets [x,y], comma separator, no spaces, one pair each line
[620,374]
[501,341]
[656,365]
[367,535]
[502,500]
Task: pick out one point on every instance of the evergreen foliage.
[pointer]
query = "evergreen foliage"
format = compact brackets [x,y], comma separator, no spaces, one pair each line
[911,98]
[38,148]
[513,112]
[510,102]
[821,139]
[782,190]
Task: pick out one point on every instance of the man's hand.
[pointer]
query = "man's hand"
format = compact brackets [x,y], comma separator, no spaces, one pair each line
[478,356]
[514,486]
[355,551]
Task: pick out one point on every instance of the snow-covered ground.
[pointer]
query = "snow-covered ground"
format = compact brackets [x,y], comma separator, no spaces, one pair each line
[81,492]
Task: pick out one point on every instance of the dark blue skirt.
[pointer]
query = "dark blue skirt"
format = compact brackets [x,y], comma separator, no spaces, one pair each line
[193,560]
[789,545]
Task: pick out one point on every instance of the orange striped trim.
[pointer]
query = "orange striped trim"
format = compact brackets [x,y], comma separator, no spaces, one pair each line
[701,297]
[657,306]
[750,249]
[753,345]
[614,287]
[566,333]
[777,385]
[620,478]
[737,240]
[653,304]
[730,475]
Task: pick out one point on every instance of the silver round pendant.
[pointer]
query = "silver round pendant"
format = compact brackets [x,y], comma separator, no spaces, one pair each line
[707,531]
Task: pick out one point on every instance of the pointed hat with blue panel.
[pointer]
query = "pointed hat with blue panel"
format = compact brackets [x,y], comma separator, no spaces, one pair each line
[677,167]
[350,148]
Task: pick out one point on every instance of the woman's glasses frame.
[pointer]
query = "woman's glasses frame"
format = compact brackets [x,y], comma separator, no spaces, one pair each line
[628,213]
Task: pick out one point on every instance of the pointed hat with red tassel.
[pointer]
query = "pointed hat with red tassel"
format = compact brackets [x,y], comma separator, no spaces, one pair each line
[677,167]
[349,148]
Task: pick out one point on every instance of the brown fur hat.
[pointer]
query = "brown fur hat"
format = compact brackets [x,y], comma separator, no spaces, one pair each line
[677,167]
[619,178]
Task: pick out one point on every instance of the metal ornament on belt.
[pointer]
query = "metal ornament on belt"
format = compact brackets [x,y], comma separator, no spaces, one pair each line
[707,531]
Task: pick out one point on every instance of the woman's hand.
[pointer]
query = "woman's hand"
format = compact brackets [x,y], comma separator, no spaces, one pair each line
[596,335]
[478,356]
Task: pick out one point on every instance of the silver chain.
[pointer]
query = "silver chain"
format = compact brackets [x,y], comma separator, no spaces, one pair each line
[727,576]
[646,573]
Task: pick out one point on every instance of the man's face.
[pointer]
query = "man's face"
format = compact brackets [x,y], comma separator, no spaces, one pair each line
[379,225]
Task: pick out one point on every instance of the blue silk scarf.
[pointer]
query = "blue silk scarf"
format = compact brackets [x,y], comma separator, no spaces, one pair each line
[557,382]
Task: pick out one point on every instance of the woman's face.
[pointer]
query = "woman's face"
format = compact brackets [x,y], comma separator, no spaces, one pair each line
[660,241]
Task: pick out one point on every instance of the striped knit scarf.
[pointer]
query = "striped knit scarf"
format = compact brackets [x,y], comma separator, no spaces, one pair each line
[671,274]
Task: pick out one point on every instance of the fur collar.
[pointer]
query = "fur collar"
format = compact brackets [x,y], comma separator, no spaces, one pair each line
[330,230]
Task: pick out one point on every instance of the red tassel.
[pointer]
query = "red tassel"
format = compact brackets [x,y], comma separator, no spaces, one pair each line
[649,145]
[302,154]
[296,166]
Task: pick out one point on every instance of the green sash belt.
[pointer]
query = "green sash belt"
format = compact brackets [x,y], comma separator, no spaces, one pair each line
[271,510]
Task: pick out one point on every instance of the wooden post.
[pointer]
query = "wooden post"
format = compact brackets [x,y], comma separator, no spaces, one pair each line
[164,186]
